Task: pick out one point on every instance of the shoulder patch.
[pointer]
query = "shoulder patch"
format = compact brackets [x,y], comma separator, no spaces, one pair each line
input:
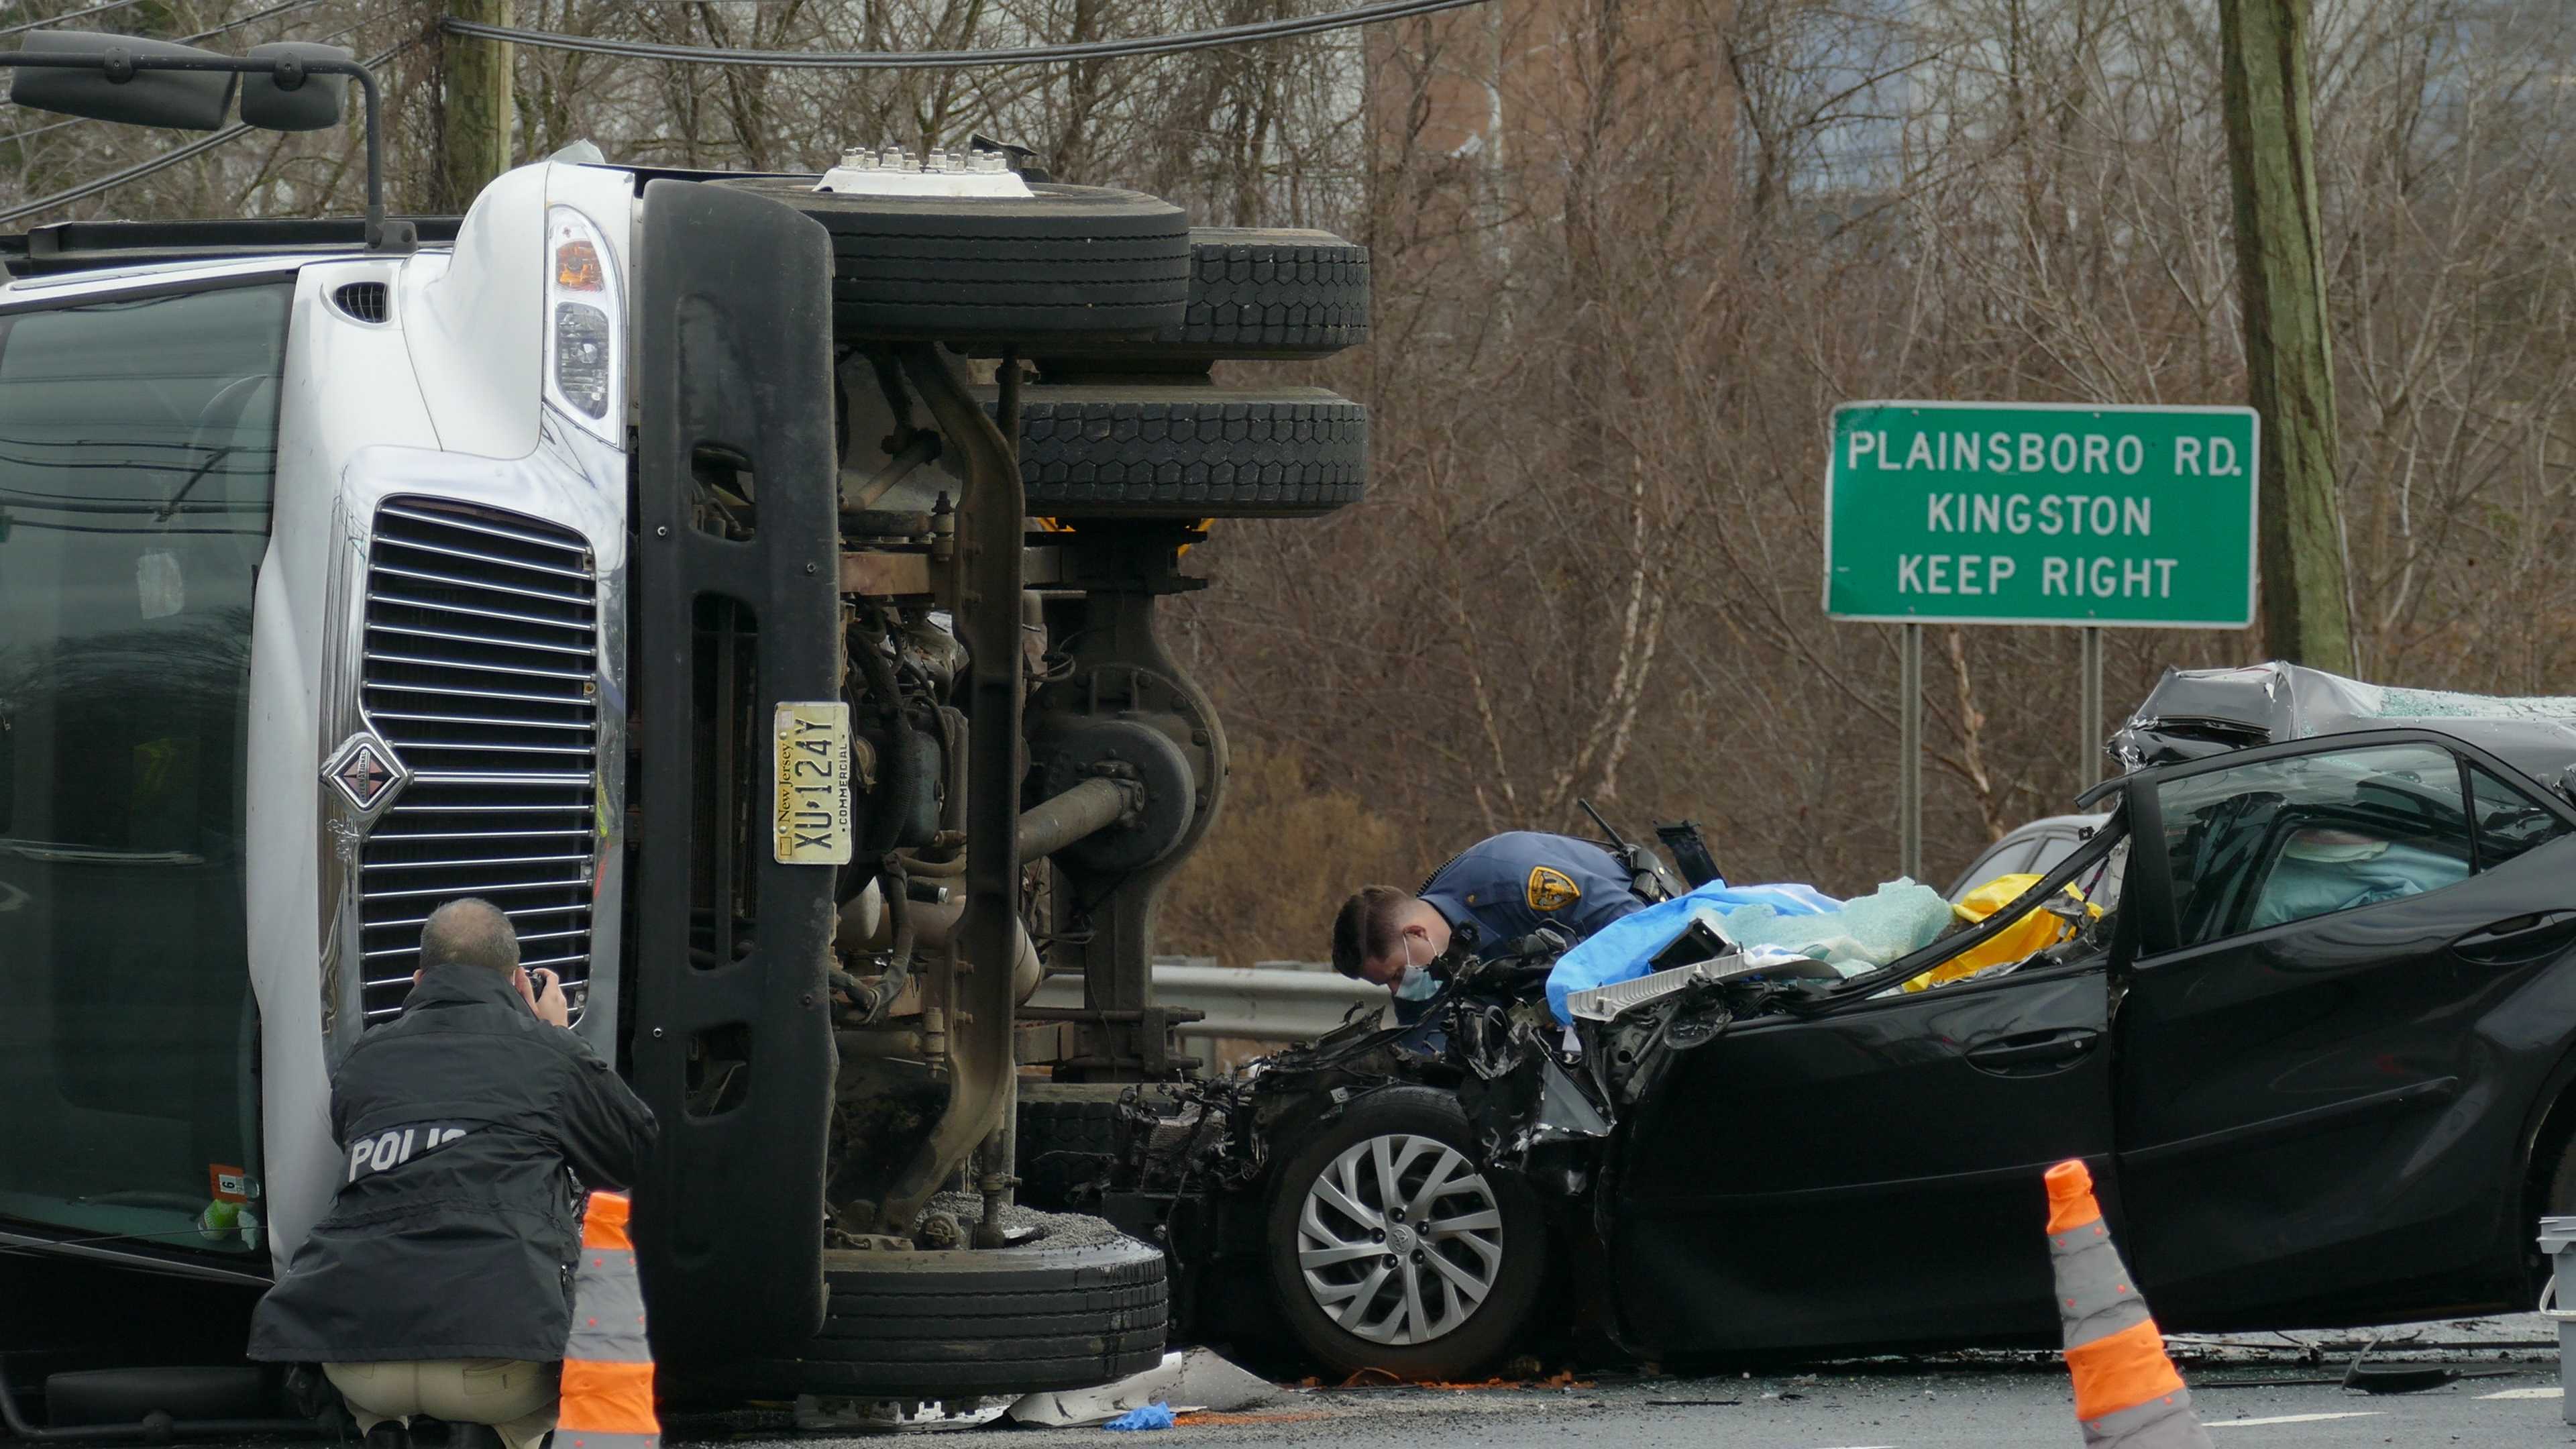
[1551,890]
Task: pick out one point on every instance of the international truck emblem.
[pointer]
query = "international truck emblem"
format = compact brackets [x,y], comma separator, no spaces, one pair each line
[365,771]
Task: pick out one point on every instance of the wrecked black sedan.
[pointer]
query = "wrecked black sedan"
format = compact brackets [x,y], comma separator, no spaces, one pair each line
[2318,1057]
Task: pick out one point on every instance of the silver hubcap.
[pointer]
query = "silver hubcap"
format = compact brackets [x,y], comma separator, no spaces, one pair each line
[1400,1239]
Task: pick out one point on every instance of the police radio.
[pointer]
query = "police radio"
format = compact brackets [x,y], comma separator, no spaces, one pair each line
[1649,879]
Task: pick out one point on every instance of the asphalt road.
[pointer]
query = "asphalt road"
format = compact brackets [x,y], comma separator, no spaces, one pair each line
[1992,1401]
[2001,1400]
[1897,1411]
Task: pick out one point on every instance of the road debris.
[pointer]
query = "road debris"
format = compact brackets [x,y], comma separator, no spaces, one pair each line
[1197,1381]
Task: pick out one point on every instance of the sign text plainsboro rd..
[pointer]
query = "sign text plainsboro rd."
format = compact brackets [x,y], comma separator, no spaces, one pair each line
[2033,513]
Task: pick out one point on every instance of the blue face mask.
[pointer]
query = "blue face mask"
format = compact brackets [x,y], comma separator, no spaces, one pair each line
[1416,983]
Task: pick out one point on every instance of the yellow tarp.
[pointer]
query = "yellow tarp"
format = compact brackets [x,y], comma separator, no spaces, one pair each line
[2036,931]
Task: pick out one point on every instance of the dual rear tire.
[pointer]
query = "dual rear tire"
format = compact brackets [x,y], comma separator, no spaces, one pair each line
[1103,287]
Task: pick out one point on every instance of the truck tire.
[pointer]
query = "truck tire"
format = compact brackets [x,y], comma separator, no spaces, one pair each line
[1347,1298]
[1072,266]
[982,1321]
[1259,293]
[1189,452]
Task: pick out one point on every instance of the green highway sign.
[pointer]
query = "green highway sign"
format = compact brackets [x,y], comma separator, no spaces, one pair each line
[2041,513]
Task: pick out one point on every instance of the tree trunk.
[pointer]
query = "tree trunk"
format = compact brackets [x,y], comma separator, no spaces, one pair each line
[474,137]
[2289,359]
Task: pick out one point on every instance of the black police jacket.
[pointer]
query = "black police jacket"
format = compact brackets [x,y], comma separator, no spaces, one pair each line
[464,1125]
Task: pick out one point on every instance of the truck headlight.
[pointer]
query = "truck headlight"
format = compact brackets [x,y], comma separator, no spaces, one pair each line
[584,310]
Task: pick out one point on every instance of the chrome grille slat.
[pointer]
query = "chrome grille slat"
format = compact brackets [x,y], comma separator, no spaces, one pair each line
[470,524]
[482,889]
[524,938]
[454,638]
[483,834]
[496,731]
[520,913]
[484,719]
[451,581]
[480,747]
[405,809]
[449,692]
[471,862]
[574,626]
[511,780]
[478,556]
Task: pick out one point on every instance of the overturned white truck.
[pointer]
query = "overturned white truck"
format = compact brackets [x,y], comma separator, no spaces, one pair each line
[638,552]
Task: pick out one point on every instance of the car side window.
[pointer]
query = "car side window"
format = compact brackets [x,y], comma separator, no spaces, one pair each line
[2509,821]
[2287,840]
[2007,857]
[2052,849]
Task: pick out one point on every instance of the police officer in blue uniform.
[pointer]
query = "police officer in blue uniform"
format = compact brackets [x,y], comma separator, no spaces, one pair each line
[1507,886]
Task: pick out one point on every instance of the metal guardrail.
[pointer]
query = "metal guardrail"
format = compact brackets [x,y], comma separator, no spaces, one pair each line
[1270,1001]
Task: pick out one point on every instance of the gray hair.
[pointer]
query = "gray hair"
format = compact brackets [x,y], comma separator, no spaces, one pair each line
[470,932]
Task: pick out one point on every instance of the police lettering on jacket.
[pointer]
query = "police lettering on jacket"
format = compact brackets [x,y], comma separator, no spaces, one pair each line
[397,1145]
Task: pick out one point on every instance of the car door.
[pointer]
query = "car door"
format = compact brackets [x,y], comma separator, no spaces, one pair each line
[1867,1175]
[2320,1095]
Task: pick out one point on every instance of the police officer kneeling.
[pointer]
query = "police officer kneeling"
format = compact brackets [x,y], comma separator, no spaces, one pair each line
[1506,885]
[440,1281]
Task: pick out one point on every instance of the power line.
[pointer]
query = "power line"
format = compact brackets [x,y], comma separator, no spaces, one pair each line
[165,159]
[250,19]
[74,15]
[1223,35]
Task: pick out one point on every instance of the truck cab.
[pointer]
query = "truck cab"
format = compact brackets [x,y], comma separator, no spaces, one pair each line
[745,583]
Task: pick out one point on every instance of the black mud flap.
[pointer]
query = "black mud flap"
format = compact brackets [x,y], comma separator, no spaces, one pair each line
[733,610]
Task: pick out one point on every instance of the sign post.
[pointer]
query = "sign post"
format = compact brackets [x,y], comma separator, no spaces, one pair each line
[2036,513]
[1909,766]
[2088,714]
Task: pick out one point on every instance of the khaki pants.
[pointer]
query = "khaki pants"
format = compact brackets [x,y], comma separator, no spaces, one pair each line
[513,1396]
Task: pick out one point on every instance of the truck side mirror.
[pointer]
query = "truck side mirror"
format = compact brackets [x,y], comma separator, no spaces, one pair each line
[188,100]
[290,99]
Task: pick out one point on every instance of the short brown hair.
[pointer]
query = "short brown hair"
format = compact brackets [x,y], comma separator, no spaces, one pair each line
[469,931]
[1366,927]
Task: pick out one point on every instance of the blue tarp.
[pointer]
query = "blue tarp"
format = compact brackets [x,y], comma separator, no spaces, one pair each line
[1619,951]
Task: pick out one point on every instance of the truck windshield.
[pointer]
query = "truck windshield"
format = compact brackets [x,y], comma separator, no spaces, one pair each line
[137,452]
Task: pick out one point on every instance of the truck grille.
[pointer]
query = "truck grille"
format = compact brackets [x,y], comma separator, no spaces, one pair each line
[481,671]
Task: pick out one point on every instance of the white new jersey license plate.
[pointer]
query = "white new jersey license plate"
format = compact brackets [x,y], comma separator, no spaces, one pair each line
[813,816]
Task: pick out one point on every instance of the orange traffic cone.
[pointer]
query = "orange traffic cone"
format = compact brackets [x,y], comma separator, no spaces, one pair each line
[608,1369]
[2126,1391]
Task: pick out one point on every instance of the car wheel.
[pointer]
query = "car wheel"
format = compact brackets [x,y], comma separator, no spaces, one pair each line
[1256,293]
[1071,266]
[1390,1249]
[1189,452]
[978,1321]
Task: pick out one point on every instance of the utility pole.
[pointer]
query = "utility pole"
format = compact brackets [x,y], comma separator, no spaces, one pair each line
[2289,356]
[474,86]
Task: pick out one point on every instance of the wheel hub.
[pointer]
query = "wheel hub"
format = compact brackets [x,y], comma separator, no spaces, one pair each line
[1400,1239]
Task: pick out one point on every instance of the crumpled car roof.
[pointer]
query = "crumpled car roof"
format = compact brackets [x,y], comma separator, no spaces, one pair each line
[2192,713]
